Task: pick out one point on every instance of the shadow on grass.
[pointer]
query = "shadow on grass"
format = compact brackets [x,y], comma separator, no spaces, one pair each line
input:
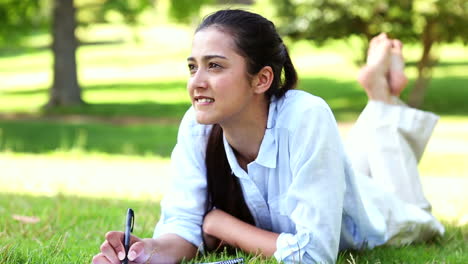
[70,228]
[128,87]
[446,96]
[10,52]
[139,109]
[440,63]
[18,49]
[48,136]
[346,99]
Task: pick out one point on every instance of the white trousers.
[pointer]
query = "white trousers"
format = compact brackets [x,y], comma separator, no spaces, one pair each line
[386,145]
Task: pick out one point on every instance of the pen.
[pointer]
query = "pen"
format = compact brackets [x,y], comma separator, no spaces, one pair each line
[129,222]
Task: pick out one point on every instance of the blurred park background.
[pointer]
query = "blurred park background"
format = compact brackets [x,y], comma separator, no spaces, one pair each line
[92,92]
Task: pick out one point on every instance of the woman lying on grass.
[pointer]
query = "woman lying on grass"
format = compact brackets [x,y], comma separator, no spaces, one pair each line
[260,167]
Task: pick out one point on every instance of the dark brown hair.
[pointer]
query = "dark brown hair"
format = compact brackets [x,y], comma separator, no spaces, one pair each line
[257,40]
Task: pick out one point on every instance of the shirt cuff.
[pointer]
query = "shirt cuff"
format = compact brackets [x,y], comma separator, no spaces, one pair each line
[291,248]
[188,233]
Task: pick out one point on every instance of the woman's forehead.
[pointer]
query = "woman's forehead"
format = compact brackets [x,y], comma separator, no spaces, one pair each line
[212,41]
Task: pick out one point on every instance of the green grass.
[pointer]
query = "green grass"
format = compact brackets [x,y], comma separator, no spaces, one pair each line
[70,166]
[71,229]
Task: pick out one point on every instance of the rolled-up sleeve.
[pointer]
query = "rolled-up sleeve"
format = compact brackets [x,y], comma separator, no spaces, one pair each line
[314,200]
[183,206]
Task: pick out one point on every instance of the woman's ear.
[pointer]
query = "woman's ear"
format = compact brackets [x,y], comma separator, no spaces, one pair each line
[263,79]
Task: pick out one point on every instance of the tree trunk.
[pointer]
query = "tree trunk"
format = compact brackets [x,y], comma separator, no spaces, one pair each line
[65,89]
[425,64]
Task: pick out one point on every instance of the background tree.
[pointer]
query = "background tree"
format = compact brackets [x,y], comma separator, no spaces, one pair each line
[425,22]
[65,89]
[18,18]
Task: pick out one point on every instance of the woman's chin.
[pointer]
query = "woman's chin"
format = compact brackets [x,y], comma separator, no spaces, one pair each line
[205,121]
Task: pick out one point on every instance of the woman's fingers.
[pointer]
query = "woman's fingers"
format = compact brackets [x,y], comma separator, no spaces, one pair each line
[113,248]
[109,253]
[101,259]
[138,252]
[115,238]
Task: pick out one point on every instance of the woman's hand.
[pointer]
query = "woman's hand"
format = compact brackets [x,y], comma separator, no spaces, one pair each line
[113,251]
[168,248]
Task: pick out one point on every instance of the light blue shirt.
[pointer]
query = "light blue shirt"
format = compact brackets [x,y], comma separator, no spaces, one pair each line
[301,184]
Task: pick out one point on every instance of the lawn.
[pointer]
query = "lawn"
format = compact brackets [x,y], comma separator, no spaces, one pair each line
[68,169]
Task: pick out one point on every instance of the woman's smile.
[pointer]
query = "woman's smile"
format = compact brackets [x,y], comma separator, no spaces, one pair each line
[202,100]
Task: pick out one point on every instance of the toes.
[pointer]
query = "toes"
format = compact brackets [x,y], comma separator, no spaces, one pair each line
[382,36]
[397,46]
[375,41]
[397,62]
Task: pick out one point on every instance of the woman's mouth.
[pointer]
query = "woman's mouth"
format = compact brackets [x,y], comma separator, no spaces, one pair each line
[203,100]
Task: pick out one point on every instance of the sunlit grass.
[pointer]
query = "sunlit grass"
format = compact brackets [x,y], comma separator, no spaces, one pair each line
[85,174]
[77,197]
[69,228]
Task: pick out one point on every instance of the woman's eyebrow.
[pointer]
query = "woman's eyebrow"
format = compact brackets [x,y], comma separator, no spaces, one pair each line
[207,57]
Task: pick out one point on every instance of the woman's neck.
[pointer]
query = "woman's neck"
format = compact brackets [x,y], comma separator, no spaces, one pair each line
[245,135]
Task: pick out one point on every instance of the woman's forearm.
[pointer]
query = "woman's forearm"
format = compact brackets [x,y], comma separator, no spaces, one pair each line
[170,248]
[240,234]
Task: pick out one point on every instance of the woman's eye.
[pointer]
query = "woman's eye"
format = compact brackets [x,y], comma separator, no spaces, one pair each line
[213,65]
[192,68]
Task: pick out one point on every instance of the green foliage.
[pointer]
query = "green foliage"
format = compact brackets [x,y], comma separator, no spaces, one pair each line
[426,22]
[448,19]
[20,17]
[185,10]
[128,9]
[320,20]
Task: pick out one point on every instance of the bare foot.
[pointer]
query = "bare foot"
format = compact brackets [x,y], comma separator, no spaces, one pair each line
[396,75]
[374,76]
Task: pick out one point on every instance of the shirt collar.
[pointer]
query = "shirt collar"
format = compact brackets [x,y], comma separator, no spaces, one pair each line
[267,154]
[231,157]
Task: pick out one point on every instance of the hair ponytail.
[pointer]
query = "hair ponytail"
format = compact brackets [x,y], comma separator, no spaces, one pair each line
[224,190]
[290,74]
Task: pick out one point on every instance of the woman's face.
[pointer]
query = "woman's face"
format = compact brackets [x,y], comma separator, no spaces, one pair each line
[219,86]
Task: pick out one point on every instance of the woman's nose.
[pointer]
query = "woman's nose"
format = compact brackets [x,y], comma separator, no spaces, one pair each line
[199,80]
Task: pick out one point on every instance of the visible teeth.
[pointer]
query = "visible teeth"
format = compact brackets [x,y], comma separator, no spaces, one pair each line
[205,100]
